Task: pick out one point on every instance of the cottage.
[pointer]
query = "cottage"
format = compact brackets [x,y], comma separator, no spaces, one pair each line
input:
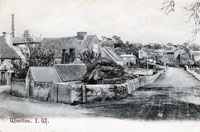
[68,48]
[159,52]
[6,55]
[128,58]
[178,52]
[142,54]
[196,55]
[40,79]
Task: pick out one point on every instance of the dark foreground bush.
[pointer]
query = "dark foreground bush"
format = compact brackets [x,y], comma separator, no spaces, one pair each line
[105,71]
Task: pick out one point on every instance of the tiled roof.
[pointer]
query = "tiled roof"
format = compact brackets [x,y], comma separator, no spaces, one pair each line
[44,74]
[70,72]
[7,52]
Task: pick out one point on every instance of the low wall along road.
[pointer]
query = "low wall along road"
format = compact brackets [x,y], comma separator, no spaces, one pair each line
[76,92]
[193,73]
[70,93]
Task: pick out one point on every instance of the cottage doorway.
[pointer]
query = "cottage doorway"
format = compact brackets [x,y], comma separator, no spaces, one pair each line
[71,55]
[3,79]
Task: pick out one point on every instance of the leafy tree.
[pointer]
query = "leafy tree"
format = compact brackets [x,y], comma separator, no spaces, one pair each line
[117,41]
[158,46]
[107,42]
[197,63]
[89,56]
[34,56]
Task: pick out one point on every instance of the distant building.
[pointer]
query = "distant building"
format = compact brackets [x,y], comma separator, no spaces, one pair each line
[68,48]
[6,55]
[196,55]
[159,52]
[178,52]
[142,54]
[128,58]
[18,43]
[26,39]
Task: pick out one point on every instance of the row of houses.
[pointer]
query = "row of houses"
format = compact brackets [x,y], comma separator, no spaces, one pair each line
[173,55]
[67,50]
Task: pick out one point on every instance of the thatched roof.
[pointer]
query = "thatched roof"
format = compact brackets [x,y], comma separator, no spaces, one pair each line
[22,40]
[7,52]
[58,44]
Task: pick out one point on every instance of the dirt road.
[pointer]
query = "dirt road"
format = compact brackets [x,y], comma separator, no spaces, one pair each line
[175,95]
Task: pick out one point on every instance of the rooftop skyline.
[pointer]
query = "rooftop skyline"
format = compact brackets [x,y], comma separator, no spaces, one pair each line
[138,21]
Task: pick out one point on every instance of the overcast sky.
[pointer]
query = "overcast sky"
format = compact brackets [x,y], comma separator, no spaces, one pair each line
[139,21]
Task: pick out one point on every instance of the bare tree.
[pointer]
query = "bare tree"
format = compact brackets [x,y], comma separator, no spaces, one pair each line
[168,6]
[193,9]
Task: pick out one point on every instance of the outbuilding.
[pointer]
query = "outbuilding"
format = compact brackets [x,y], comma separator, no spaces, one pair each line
[40,79]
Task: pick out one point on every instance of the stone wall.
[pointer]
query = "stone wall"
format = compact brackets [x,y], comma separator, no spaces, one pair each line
[73,92]
[41,91]
[105,92]
[18,88]
[117,91]
[66,93]
[76,92]
[193,73]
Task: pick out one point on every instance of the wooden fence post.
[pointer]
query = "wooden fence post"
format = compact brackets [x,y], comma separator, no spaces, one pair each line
[84,95]
[11,86]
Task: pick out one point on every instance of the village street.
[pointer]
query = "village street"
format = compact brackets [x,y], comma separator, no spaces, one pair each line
[175,95]
[16,107]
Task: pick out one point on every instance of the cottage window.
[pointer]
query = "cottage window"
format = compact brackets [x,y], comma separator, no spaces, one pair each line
[2,61]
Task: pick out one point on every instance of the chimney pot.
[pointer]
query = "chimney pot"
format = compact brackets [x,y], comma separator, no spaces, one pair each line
[4,34]
[26,34]
[81,35]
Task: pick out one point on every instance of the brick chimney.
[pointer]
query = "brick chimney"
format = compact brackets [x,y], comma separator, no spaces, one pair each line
[81,35]
[26,34]
[13,25]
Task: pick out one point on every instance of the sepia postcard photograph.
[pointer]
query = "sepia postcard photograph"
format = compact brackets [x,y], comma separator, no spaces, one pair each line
[99,65]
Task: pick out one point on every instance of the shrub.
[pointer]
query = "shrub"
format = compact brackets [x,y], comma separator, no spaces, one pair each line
[105,71]
[89,56]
